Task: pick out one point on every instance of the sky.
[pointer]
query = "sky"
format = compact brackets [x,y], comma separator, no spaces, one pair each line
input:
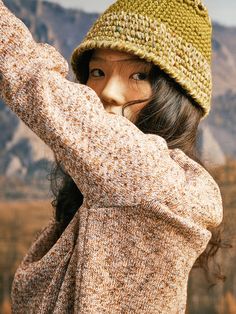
[222,11]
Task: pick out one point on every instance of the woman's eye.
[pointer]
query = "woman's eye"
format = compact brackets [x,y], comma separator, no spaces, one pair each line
[96,73]
[140,76]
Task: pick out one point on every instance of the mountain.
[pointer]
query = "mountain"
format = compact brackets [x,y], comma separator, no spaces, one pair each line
[210,151]
[224,59]
[25,156]
[222,121]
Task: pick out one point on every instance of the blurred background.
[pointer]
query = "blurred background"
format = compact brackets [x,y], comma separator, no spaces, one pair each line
[25,161]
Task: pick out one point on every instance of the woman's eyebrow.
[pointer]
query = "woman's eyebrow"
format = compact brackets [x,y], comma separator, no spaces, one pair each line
[130,60]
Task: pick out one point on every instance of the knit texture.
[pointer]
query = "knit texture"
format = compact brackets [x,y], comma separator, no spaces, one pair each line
[146,210]
[173,34]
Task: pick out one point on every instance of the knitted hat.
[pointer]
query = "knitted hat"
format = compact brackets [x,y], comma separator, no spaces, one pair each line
[173,34]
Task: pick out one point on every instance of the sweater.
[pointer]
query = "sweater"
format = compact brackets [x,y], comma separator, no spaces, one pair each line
[147,209]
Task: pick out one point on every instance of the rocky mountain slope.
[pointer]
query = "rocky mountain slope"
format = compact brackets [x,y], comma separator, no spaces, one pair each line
[24,155]
[224,59]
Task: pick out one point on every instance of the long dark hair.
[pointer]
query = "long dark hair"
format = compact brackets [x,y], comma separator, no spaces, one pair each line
[170,113]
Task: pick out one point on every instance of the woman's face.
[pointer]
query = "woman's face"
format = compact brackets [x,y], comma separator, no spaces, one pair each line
[118,78]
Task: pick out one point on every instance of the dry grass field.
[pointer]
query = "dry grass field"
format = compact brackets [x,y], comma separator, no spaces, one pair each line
[20,221]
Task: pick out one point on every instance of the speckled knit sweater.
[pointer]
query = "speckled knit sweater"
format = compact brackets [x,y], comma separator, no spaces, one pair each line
[146,212]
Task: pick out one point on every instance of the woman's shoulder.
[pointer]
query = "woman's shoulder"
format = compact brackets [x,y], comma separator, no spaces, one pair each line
[200,189]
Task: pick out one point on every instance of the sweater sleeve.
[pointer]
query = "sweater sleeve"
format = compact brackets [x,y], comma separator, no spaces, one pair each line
[112,162]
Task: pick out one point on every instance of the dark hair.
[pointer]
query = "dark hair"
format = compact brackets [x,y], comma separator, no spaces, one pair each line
[170,113]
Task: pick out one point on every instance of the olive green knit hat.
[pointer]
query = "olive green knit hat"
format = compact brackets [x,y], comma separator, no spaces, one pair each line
[173,34]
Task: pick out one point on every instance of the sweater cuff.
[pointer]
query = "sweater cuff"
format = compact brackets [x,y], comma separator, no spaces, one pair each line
[17,44]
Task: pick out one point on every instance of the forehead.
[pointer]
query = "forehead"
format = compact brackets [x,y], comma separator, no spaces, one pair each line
[109,55]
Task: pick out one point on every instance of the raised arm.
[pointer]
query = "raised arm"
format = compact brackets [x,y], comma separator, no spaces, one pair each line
[110,159]
[103,151]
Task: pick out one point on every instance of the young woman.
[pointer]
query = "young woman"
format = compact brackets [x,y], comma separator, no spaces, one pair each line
[135,210]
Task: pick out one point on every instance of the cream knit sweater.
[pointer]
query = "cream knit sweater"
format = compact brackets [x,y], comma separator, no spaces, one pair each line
[146,212]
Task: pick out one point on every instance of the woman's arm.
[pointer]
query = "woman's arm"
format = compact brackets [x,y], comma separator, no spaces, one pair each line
[102,151]
[110,159]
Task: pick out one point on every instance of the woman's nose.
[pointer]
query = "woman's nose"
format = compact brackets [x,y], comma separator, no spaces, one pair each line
[113,93]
